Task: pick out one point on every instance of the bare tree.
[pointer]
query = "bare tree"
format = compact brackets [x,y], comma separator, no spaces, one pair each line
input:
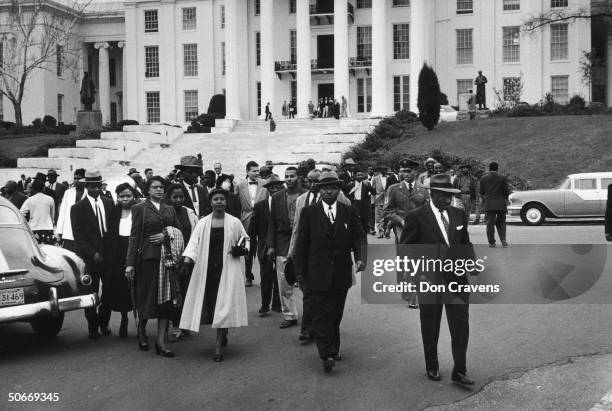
[37,35]
[600,9]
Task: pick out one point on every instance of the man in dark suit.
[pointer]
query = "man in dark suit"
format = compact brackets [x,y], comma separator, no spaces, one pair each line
[58,188]
[608,225]
[360,193]
[495,190]
[89,218]
[268,113]
[219,176]
[196,196]
[329,231]
[282,216]
[445,229]
[22,183]
[259,230]
[347,173]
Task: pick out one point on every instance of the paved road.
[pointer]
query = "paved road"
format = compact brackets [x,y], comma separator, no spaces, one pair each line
[514,352]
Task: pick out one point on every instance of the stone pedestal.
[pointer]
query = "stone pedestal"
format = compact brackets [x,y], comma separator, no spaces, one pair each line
[88,120]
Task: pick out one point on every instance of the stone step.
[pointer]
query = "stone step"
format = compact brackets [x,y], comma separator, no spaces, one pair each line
[168,133]
[62,163]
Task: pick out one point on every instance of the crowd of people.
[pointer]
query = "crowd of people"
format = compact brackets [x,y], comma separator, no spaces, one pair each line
[181,248]
[326,107]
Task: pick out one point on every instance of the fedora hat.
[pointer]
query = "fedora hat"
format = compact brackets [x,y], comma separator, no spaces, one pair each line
[189,162]
[41,176]
[273,181]
[329,178]
[52,172]
[349,162]
[93,176]
[442,182]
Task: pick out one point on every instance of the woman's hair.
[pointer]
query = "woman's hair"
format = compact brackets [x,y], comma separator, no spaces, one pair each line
[171,187]
[150,180]
[125,186]
[218,191]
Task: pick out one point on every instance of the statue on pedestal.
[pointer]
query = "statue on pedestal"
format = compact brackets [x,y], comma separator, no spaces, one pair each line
[481,97]
[88,91]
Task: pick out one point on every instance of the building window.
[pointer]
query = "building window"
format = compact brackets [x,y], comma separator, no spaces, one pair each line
[398,3]
[364,95]
[558,3]
[113,113]
[191,104]
[189,18]
[151,61]
[364,42]
[258,98]
[112,75]
[59,50]
[465,46]
[465,6]
[401,93]
[510,5]
[293,46]
[151,22]
[559,41]
[60,108]
[511,44]
[258,48]
[152,106]
[257,7]
[294,95]
[511,88]
[401,41]
[463,86]
[292,7]
[223,58]
[190,59]
[222,16]
[364,4]
[560,88]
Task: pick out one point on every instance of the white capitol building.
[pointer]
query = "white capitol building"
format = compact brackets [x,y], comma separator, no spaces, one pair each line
[162,60]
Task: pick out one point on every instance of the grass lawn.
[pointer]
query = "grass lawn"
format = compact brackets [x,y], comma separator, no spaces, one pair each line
[540,149]
[13,147]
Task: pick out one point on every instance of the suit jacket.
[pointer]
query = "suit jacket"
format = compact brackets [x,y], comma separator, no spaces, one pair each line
[280,228]
[421,227]
[59,190]
[495,190]
[362,206]
[242,191]
[323,250]
[259,227]
[400,201]
[220,179]
[204,207]
[608,225]
[380,190]
[21,185]
[147,221]
[86,232]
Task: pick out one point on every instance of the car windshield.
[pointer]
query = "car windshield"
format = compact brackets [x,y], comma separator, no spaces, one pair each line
[17,247]
[565,185]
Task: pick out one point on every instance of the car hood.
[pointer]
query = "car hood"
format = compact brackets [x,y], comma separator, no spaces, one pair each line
[535,194]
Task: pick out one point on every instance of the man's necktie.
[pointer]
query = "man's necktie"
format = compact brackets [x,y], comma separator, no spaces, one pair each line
[330,214]
[99,218]
[313,198]
[193,194]
[410,187]
[445,223]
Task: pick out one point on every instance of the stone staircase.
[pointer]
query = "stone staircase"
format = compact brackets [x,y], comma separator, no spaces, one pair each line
[233,144]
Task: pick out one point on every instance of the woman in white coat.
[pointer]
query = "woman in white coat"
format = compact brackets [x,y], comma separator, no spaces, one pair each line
[213,253]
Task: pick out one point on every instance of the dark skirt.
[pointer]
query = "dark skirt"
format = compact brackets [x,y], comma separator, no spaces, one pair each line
[147,280]
[215,267]
[117,287]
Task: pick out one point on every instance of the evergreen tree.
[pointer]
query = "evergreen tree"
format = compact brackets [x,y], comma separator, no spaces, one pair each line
[429,98]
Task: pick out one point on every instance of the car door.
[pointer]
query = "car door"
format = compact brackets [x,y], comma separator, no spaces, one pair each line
[583,200]
[603,198]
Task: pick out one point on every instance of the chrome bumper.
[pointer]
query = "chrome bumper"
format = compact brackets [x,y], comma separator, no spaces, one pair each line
[53,306]
[514,210]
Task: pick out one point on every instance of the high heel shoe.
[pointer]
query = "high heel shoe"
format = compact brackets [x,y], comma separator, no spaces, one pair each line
[164,353]
[143,343]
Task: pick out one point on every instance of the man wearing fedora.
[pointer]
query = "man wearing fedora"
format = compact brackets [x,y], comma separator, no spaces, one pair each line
[258,230]
[444,228]
[466,184]
[72,196]
[381,183]
[58,188]
[429,171]
[495,190]
[329,231]
[196,196]
[347,172]
[89,218]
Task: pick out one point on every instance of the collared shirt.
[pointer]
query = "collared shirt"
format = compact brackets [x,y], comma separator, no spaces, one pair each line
[409,186]
[330,210]
[252,190]
[357,190]
[291,205]
[193,194]
[383,180]
[125,225]
[312,198]
[437,212]
[41,208]
[100,204]
[269,203]
[52,185]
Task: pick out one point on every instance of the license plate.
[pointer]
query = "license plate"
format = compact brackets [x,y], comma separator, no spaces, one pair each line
[12,296]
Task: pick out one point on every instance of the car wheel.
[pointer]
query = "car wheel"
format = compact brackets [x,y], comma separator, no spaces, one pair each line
[533,214]
[48,326]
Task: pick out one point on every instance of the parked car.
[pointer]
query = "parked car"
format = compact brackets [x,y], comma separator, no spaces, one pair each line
[578,196]
[38,283]
[447,114]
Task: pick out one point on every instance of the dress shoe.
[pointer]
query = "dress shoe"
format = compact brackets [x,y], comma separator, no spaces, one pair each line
[263,312]
[164,352]
[328,364]
[218,357]
[462,378]
[413,306]
[249,283]
[504,244]
[433,375]
[288,323]
[492,245]
[337,357]
[94,335]
[105,330]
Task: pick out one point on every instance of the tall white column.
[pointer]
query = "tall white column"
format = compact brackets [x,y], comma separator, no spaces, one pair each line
[341,57]
[421,43]
[609,67]
[121,45]
[104,80]
[304,73]
[380,85]
[232,60]
[268,73]
[133,60]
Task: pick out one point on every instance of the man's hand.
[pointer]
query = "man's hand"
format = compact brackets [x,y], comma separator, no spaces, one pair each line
[395,221]
[129,273]
[359,266]
[185,269]
[156,238]
[271,254]
[97,258]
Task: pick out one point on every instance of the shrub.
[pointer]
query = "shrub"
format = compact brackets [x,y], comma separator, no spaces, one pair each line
[6,124]
[202,124]
[577,103]
[37,123]
[443,99]
[429,97]
[216,106]
[49,121]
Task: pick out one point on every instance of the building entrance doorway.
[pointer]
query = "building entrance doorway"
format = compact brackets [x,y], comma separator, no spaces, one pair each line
[325,51]
[326,90]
